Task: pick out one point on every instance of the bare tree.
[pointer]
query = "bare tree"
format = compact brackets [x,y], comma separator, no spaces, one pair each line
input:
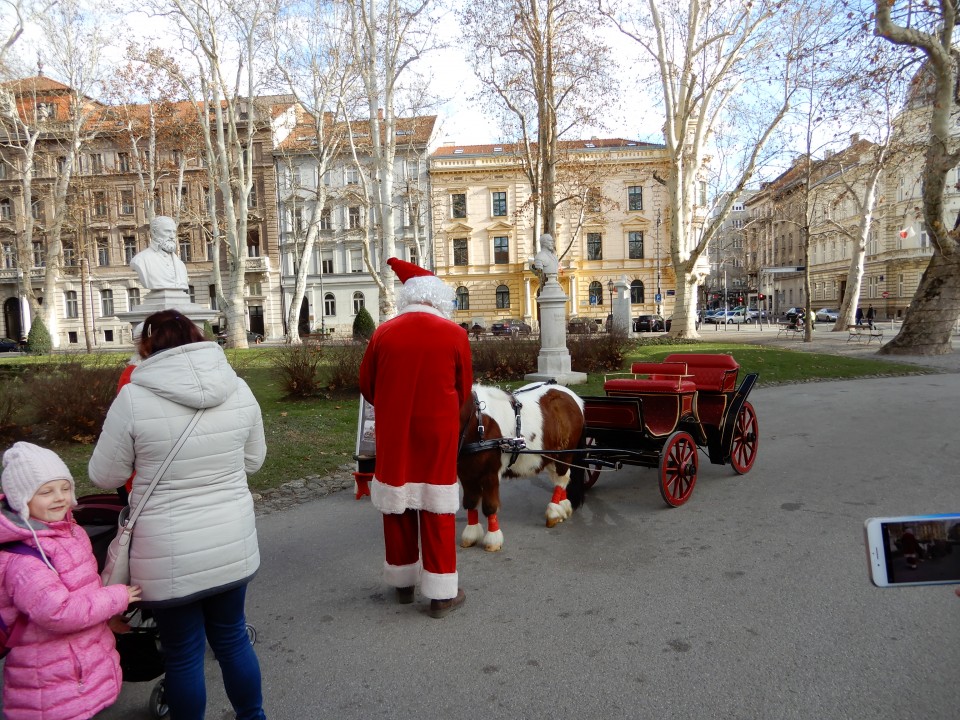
[548,73]
[705,55]
[929,28]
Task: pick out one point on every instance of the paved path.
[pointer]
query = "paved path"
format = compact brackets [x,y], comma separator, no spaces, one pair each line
[751,601]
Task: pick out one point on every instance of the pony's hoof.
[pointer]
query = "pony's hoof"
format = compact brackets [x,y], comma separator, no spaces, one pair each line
[567,508]
[472,534]
[493,541]
[555,515]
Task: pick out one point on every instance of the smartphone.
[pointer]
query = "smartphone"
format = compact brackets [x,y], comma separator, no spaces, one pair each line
[913,550]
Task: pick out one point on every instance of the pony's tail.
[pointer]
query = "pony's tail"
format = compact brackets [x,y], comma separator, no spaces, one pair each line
[576,486]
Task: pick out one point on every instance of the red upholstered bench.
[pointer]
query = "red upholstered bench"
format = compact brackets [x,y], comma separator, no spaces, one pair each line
[714,375]
[666,393]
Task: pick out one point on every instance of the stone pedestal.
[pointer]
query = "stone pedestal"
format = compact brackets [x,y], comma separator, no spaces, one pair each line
[622,322]
[169,299]
[553,363]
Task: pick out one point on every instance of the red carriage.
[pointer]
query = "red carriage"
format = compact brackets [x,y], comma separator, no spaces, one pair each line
[663,413]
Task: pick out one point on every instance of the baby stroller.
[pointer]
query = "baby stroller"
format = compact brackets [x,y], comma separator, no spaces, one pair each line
[141,656]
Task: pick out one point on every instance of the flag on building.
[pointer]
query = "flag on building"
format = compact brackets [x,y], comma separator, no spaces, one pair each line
[907,232]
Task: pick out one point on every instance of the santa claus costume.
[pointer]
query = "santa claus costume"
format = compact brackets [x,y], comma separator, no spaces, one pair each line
[417,373]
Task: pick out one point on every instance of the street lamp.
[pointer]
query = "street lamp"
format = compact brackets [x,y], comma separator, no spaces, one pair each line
[659,296]
[610,289]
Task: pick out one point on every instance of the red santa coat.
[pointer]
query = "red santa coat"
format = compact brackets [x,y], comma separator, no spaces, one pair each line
[417,372]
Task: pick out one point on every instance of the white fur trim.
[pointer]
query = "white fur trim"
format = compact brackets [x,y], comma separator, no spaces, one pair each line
[472,534]
[493,541]
[401,575]
[439,586]
[440,499]
[417,307]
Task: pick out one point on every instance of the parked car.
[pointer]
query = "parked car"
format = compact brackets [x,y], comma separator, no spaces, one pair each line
[827,314]
[510,326]
[582,325]
[728,317]
[252,337]
[8,345]
[649,323]
[717,317]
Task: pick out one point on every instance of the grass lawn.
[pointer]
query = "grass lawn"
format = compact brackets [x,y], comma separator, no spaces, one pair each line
[317,437]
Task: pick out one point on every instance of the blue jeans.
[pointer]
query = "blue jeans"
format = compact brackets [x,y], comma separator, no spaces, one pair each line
[184,631]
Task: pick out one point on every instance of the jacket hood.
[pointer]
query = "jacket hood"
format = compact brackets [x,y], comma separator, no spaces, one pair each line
[195,375]
[13,528]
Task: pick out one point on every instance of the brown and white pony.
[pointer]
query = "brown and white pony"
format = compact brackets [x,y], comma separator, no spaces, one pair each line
[546,417]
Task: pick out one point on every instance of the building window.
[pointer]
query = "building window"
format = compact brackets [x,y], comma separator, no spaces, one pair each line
[594,246]
[185,198]
[326,262]
[192,293]
[72,337]
[412,255]
[103,252]
[46,111]
[636,292]
[253,197]
[210,249]
[185,249]
[326,222]
[499,200]
[123,162]
[596,293]
[36,209]
[38,260]
[61,165]
[212,292]
[351,176]
[6,209]
[70,304]
[458,205]
[106,303]
[329,305]
[463,298]
[99,204]
[460,251]
[126,202]
[354,217]
[503,297]
[69,256]
[703,193]
[635,245]
[133,297]
[635,197]
[96,164]
[501,250]
[356,260]
[253,247]
[129,248]
[108,335]
[358,302]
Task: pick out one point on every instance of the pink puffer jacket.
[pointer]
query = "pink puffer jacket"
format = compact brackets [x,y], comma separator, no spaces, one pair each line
[65,666]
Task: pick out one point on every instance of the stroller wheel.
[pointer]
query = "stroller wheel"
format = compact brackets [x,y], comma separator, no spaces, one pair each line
[252,634]
[158,701]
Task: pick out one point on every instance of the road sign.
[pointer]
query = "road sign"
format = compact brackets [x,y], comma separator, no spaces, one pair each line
[658,297]
[885,294]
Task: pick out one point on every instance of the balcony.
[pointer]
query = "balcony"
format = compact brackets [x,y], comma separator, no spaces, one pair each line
[257,265]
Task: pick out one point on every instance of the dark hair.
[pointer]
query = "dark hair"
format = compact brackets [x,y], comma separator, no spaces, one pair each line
[167,329]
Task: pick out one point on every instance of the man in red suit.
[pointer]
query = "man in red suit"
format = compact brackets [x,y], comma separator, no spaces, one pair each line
[417,373]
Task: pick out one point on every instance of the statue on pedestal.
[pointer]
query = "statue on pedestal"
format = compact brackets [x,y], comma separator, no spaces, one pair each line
[158,267]
[546,262]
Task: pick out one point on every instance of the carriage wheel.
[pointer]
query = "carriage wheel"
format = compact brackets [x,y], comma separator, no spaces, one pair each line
[590,477]
[746,438]
[158,701]
[678,469]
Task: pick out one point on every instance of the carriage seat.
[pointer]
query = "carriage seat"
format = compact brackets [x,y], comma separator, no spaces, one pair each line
[661,378]
[710,372]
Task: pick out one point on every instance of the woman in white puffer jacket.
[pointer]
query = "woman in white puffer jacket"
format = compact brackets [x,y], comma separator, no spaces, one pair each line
[194,546]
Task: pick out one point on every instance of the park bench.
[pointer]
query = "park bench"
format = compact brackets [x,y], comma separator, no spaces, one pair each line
[859,332]
[789,330]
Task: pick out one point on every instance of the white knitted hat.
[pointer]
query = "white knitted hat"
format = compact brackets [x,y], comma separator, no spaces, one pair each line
[25,468]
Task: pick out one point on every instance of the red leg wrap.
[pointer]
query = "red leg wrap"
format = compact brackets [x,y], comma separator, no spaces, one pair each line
[492,523]
[559,494]
[473,517]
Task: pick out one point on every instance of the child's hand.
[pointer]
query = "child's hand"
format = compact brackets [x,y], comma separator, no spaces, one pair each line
[133,594]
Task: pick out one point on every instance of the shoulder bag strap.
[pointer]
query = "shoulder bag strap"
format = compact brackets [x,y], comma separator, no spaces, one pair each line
[163,468]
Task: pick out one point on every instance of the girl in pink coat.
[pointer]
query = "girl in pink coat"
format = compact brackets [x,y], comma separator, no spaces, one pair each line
[63,664]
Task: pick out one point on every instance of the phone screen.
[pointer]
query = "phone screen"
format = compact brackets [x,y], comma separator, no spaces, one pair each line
[921,550]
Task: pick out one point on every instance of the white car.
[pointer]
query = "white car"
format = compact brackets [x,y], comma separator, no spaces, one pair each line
[827,314]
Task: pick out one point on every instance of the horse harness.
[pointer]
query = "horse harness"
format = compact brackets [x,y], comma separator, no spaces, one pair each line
[514,445]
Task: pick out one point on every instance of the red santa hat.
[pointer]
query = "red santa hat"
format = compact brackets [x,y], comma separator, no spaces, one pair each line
[405,270]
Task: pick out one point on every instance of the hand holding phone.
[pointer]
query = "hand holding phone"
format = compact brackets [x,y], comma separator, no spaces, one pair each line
[912,550]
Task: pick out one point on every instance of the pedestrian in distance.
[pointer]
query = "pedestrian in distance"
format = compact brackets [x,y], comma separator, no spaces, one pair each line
[871,314]
[63,663]
[859,315]
[418,374]
[194,547]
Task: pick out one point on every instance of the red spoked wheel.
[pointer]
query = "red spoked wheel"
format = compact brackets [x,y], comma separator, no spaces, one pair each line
[592,473]
[746,440]
[678,469]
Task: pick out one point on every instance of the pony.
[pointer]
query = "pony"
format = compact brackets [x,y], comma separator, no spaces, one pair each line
[540,416]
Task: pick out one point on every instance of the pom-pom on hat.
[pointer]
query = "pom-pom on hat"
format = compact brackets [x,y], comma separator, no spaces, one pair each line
[405,270]
[25,468]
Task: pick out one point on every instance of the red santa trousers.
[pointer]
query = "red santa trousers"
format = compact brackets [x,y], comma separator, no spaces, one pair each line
[414,533]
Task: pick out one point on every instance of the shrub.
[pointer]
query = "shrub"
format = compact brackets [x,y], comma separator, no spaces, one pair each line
[38,340]
[208,331]
[343,366]
[500,359]
[13,399]
[299,366]
[363,325]
[603,352]
[72,397]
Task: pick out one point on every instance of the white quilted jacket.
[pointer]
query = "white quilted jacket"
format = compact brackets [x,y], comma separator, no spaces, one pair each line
[197,534]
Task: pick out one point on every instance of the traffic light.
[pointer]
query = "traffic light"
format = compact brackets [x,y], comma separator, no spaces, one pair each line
[760,296]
